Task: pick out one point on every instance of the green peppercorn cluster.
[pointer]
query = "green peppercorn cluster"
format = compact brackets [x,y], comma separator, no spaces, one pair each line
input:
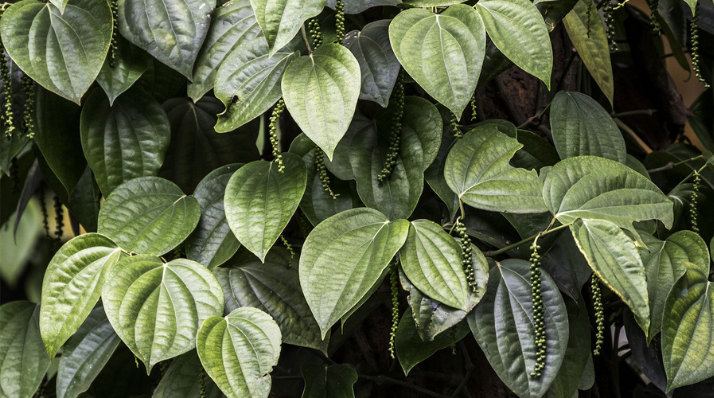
[288,246]
[599,314]
[272,128]
[394,290]
[43,208]
[694,50]
[59,218]
[654,22]
[28,86]
[591,5]
[115,31]
[538,316]
[314,27]
[396,130]
[322,171]
[693,213]
[340,21]
[466,254]
[608,10]
[455,127]
[474,111]
[7,116]
[202,382]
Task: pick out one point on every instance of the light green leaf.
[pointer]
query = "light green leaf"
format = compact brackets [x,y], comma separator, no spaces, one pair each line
[582,127]
[72,285]
[260,201]
[518,30]
[442,52]
[148,215]
[321,92]
[272,287]
[477,170]
[590,187]
[157,308]
[212,243]
[23,359]
[591,43]
[280,20]
[233,23]
[239,351]
[343,257]
[614,259]
[503,326]
[85,354]
[130,63]
[60,4]
[334,381]
[183,380]
[123,141]
[248,82]
[172,32]
[62,51]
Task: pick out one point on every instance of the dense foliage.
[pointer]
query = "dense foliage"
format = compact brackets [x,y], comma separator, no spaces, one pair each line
[294,198]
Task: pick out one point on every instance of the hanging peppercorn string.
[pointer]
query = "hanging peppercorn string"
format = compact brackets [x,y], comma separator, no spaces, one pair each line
[340,21]
[395,129]
[28,86]
[394,290]
[115,31]
[7,116]
[694,32]
[315,33]
[693,213]
[599,314]
[608,10]
[272,128]
[538,315]
[474,111]
[466,254]
[59,219]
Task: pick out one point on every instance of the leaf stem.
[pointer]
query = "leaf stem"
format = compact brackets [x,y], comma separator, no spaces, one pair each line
[305,39]
[526,240]
[389,380]
[648,112]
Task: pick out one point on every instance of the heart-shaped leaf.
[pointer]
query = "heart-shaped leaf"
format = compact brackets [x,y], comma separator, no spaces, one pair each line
[130,63]
[61,50]
[280,20]
[148,215]
[183,380]
[172,32]
[72,285]
[343,257]
[260,201]
[321,92]
[328,381]
[157,308]
[477,170]
[123,141]
[239,351]
[442,52]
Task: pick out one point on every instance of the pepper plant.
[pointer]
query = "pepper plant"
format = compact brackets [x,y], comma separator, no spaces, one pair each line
[355,198]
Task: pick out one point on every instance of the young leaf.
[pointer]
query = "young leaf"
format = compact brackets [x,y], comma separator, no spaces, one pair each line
[62,51]
[442,52]
[280,20]
[321,92]
[239,351]
[157,308]
[148,215]
[172,32]
[477,170]
[518,30]
[130,63]
[182,380]
[260,200]
[72,285]
[328,381]
[343,257]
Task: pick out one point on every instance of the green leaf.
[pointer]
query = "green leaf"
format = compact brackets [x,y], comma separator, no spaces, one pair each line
[577,354]
[614,259]
[378,64]
[19,246]
[591,43]
[60,4]
[477,170]
[582,127]
[442,52]
[260,201]
[334,381]
[248,82]
[590,187]
[412,350]
[85,354]
[172,32]
[343,257]
[130,63]
[62,51]
[431,260]
[503,326]
[72,285]
[123,141]
[23,359]
[232,23]
[280,20]
[434,174]
[157,308]
[687,334]
[182,380]
[272,287]
[239,351]
[212,243]
[517,29]
[321,91]
[148,215]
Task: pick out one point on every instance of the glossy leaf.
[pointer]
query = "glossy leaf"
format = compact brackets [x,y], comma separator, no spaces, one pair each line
[173,32]
[280,20]
[260,201]
[477,170]
[582,127]
[130,63]
[334,381]
[321,91]
[343,257]
[239,351]
[183,380]
[434,174]
[123,141]
[62,51]
[157,308]
[148,215]
[577,354]
[442,52]
[72,285]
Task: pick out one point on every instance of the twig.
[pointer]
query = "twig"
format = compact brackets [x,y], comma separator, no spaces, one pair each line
[648,112]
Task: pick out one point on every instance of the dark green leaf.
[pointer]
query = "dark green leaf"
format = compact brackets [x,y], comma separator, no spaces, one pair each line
[335,381]
[577,354]
[130,62]
[182,380]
